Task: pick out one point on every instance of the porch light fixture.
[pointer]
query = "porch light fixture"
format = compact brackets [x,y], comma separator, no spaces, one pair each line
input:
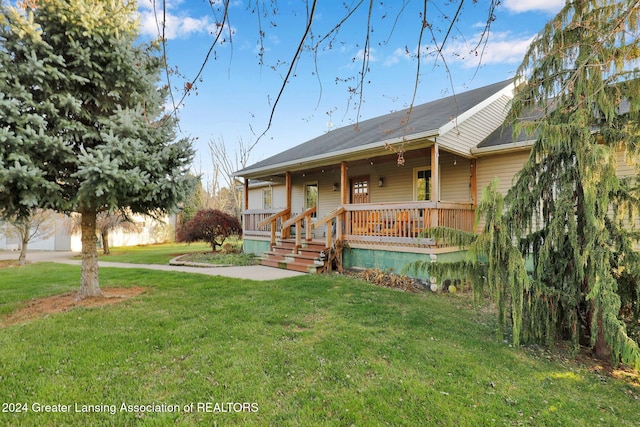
[335,186]
[380,182]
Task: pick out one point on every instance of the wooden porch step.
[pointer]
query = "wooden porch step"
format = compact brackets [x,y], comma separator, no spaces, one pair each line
[283,256]
[270,262]
[308,255]
[314,245]
[287,242]
[302,267]
[279,250]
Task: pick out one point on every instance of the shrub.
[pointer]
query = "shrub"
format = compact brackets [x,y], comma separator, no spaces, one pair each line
[211,226]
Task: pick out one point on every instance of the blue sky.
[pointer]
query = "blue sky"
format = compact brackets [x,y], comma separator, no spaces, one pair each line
[235,95]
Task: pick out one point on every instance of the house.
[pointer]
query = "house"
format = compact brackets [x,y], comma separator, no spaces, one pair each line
[377,185]
[61,237]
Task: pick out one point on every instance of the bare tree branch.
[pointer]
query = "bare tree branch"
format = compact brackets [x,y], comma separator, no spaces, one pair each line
[294,61]
[260,8]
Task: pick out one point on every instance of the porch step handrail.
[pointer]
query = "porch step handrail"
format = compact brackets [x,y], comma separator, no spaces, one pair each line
[337,213]
[299,217]
[297,220]
[328,217]
[274,217]
[272,221]
[369,224]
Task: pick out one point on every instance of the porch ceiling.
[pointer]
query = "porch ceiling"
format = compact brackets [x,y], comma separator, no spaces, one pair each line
[379,154]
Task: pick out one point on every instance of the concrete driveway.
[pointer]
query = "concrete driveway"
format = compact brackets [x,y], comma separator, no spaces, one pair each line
[253,272]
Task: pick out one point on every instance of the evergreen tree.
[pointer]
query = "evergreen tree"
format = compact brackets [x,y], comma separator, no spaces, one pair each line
[567,201]
[81,119]
[572,216]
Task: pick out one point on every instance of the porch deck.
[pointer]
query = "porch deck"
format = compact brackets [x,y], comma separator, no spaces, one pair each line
[387,224]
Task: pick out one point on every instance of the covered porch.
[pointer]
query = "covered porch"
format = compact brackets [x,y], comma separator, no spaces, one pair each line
[385,224]
[378,185]
[370,204]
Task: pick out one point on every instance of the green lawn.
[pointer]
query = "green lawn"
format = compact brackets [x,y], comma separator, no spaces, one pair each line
[309,350]
[163,253]
[153,254]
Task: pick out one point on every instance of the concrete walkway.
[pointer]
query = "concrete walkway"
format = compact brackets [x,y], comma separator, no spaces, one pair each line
[253,272]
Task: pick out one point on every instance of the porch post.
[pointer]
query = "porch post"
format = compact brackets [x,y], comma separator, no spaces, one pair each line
[284,234]
[343,183]
[435,173]
[246,194]
[288,188]
[473,184]
[344,187]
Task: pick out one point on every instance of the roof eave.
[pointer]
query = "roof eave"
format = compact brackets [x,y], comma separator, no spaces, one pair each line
[354,153]
[455,122]
[503,148]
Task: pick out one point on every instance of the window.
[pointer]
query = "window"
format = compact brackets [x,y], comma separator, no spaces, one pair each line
[311,197]
[267,197]
[422,184]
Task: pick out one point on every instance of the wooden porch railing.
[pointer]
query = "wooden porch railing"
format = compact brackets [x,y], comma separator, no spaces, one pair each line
[398,224]
[297,220]
[264,222]
[402,223]
[334,214]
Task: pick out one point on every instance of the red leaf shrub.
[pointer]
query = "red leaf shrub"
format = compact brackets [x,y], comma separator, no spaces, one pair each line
[212,226]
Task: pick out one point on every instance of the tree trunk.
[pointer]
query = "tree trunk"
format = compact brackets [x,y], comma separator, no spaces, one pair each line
[90,284]
[601,349]
[105,242]
[22,259]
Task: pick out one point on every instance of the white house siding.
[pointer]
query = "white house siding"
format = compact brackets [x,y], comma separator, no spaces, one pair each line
[61,236]
[397,180]
[503,166]
[297,196]
[455,178]
[624,168]
[463,133]
[278,196]
[327,198]
[255,198]
[397,185]
[506,166]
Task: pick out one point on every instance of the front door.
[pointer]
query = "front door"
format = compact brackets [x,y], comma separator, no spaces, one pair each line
[360,190]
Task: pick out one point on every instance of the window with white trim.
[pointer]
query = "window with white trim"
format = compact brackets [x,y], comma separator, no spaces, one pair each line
[267,198]
[422,184]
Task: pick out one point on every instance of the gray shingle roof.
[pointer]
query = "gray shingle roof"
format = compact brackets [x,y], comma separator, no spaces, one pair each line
[502,136]
[424,118]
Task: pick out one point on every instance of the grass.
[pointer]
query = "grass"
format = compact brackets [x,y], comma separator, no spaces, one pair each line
[241,259]
[163,253]
[153,254]
[309,350]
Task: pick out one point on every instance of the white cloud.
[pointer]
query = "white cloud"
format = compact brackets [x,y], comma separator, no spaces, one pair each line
[360,55]
[176,25]
[397,56]
[521,6]
[502,48]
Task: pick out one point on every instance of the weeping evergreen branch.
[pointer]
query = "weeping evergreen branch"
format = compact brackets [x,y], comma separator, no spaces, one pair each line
[574,216]
[572,211]
[493,265]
